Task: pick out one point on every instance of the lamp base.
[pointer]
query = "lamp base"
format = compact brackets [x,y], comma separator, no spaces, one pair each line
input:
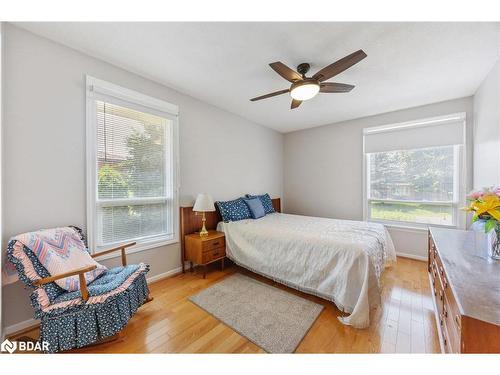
[203,231]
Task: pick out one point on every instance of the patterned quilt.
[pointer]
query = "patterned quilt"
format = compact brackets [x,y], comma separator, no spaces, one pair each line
[59,250]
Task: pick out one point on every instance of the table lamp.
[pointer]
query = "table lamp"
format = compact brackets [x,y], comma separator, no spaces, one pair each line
[204,203]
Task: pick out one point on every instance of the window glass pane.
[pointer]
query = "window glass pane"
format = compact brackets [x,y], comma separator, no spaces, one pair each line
[121,223]
[131,153]
[415,175]
[412,212]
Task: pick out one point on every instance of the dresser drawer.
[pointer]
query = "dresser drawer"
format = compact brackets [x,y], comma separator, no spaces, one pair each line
[432,249]
[452,328]
[214,254]
[214,244]
[435,278]
[439,271]
[439,297]
[447,343]
[434,272]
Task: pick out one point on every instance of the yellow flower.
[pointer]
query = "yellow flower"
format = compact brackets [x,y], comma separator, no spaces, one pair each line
[488,204]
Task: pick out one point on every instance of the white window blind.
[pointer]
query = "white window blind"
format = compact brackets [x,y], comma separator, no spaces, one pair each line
[413,171]
[444,131]
[134,172]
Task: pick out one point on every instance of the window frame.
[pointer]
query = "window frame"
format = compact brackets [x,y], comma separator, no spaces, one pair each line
[459,221]
[97,89]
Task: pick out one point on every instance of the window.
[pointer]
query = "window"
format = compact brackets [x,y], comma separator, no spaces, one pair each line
[413,172]
[132,167]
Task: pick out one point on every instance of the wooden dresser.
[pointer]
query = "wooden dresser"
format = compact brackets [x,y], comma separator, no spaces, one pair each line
[466,288]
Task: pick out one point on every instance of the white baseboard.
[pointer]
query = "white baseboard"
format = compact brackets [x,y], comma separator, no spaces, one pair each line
[33,322]
[412,256]
[21,326]
[164,275]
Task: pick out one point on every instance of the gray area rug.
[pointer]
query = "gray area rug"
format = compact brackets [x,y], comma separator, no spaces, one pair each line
[272,318]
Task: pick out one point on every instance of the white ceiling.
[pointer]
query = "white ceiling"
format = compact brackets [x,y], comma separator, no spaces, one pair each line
[225,64]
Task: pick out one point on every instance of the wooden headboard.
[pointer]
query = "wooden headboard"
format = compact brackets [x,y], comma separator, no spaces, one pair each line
[190,222]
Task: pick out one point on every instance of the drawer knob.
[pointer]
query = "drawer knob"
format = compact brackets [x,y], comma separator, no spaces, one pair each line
[215,243]
[441,295]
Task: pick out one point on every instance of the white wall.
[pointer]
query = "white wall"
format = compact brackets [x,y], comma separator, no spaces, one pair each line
[487,130]
[44,157]
[323,168]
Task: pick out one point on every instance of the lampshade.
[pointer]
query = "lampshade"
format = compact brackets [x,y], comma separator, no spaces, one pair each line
[204,203]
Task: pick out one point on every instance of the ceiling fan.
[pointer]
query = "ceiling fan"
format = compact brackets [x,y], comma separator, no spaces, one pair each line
[304,88]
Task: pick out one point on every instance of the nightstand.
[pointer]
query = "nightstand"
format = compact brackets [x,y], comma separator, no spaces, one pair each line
[205,250]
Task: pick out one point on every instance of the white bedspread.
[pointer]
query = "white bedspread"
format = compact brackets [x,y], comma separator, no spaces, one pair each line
[339,260]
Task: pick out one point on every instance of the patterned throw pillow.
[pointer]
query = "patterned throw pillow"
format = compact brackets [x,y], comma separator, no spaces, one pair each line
[266,202]
[233,210]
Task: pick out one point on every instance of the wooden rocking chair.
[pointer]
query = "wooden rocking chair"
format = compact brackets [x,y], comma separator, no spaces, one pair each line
[95,313]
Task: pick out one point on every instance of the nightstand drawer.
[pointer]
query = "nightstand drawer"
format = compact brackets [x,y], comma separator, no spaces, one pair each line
[214,244]
[213,254]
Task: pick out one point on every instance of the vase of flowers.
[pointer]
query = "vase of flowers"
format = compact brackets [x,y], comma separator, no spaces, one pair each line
[485,206]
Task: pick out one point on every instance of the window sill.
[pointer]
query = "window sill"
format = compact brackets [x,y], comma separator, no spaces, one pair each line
[139,248]
[411,226]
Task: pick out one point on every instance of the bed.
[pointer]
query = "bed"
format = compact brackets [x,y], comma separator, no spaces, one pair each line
[338,260]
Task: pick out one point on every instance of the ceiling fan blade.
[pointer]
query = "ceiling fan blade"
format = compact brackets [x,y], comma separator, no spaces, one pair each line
[270,95]
[284,71]
[339,66]
[335,87]
[295,103]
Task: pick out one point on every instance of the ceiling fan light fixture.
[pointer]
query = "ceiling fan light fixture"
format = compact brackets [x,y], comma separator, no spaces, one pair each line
[304,90]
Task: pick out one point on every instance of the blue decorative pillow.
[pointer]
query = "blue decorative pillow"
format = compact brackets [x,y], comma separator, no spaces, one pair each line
[233,210]
[255,206]
[266,202]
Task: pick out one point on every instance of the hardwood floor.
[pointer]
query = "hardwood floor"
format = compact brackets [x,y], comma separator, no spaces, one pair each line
[171,324]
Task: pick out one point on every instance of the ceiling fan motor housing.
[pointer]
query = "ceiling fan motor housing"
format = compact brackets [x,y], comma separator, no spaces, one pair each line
[303,68]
